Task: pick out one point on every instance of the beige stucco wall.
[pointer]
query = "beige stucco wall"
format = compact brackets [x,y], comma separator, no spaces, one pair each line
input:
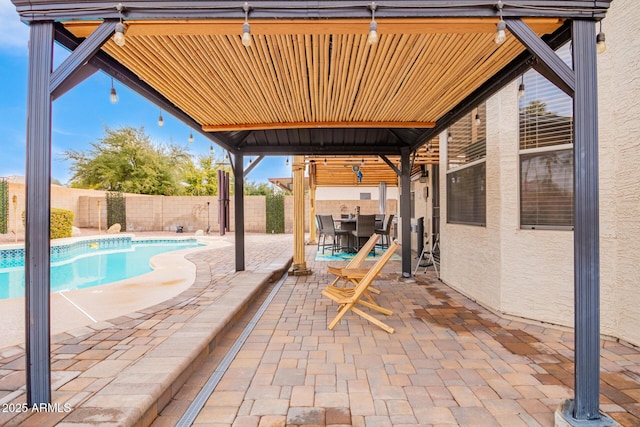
[529,273]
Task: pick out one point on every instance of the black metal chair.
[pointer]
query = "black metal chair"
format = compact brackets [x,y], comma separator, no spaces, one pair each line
[365,227]
[337,235]
[379,221]
[321,236]
[385,232]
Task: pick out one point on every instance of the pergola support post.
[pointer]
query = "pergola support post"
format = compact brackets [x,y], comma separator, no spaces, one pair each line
[584,410]
[299,267]
[238,201]
[38,201]
[405,210]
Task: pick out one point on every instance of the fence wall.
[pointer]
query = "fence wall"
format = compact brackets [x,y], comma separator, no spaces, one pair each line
[167,213]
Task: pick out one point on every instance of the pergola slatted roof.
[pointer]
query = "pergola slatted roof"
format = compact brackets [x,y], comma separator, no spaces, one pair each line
[315,76]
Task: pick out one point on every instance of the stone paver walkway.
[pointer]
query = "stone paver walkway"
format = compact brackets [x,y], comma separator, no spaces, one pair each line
[449,363]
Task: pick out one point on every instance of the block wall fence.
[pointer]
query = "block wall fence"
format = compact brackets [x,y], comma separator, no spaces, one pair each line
[167,213]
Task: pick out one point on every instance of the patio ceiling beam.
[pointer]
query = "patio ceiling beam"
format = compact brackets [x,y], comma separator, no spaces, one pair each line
[72,65]
[513,70]
[106,63]
[391,165]
[550,64]
[33,10]
[315,125]
[252,166]
[317,150]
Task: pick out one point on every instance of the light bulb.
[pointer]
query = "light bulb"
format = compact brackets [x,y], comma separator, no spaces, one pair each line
[191,138]
[246,34]
[113,97]
[478,121]
[325,161]
[601,46]
[501,34]
[373,33]
[160,120]
[521,91]
[118,36]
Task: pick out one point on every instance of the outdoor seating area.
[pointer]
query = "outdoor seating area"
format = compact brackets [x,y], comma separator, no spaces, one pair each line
[349,233]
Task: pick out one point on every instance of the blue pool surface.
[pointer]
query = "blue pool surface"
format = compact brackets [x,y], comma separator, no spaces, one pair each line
[88,263]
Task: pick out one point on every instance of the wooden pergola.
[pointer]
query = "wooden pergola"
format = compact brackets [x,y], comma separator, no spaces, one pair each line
[307,82]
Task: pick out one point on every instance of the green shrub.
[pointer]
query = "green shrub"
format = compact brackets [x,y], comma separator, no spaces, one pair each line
[275,213]
[61,223]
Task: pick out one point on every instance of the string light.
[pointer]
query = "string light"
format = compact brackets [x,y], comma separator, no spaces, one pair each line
[190,137]
[450,137]
[325,161]
[246,28]
[113,97]
[501,34]
[373,27]
[160,119]
[287,162]
[601,46]
[521,91]
[478,120]
[118,35]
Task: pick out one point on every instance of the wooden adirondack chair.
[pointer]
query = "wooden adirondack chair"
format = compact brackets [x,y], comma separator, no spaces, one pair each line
[350,298]
[356,261]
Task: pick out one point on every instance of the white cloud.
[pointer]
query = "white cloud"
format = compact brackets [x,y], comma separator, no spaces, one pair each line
[14,35]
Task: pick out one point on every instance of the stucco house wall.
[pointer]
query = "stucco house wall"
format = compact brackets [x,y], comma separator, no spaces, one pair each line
[529,273]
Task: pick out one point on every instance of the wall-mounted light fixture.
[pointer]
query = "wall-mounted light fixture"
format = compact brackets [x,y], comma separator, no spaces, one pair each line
[373,26]
[246,28]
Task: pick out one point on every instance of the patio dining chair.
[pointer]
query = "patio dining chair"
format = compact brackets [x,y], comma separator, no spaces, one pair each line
[385,232]
[337,236]
[365,227]
[349,299]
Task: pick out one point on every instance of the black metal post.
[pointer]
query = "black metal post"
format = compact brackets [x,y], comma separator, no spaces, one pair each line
[238,197]
[405,210]
[38,201]
[586,231]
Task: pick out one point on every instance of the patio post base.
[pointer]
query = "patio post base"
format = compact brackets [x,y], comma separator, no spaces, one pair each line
[564,418]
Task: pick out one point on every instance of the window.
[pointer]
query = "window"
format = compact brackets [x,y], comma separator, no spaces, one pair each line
[546,153]
[466,175]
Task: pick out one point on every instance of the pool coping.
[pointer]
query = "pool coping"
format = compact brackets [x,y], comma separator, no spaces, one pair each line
[134,390]
[172,274]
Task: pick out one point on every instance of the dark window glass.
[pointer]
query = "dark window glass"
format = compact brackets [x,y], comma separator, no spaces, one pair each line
[466,195]
[546,182]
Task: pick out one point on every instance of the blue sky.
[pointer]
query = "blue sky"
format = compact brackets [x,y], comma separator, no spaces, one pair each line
[80,115]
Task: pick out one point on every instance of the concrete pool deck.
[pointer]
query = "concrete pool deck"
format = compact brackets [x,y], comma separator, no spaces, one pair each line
[449,363]
[171,275]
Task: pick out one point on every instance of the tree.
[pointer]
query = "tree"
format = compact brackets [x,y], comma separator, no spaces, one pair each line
[258,189]
[202,179]
[126,160]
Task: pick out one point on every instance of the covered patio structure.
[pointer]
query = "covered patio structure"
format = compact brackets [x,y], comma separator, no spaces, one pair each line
[317,78]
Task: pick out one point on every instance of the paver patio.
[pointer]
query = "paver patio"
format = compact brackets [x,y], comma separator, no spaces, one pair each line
[449,363]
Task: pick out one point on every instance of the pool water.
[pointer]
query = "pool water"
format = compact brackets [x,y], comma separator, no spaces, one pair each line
[92,264]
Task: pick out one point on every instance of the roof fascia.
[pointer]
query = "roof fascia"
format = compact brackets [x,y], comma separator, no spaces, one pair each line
[104,62]
[38,10]
[511,71]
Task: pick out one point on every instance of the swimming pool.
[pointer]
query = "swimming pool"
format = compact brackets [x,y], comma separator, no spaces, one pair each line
[88,262]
